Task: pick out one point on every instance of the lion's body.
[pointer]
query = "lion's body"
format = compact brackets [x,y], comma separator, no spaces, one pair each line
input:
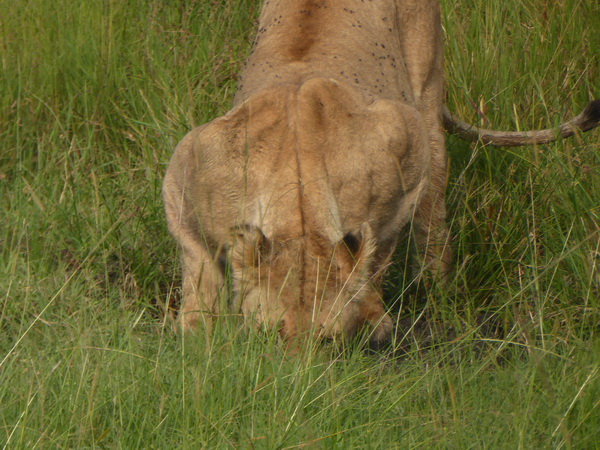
[334,144]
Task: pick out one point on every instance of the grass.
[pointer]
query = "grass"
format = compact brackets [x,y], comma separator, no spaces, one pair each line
[93,98]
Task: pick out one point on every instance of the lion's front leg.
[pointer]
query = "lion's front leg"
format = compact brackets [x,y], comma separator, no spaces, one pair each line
[432,237]
[379,322]
[202,285]
[422,48]
[429,226]
[202,277]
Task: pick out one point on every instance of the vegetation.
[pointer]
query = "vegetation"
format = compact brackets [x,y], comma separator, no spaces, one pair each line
[93,98]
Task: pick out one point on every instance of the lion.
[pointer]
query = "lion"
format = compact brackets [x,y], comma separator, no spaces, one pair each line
[334,144]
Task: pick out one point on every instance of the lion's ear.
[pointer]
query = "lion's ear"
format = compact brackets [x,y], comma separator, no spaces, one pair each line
[357,248]
[249,246]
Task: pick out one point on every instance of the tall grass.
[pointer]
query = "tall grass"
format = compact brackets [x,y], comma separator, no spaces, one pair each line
[93,98]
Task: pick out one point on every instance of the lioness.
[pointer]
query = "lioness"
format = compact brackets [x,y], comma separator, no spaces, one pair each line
[334,143]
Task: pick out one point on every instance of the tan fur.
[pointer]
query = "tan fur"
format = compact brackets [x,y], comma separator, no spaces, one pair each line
[334,144]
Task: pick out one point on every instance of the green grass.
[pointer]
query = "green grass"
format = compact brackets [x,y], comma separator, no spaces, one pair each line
[93,98]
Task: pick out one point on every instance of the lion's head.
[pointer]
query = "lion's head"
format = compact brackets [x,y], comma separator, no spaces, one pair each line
[304,284]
